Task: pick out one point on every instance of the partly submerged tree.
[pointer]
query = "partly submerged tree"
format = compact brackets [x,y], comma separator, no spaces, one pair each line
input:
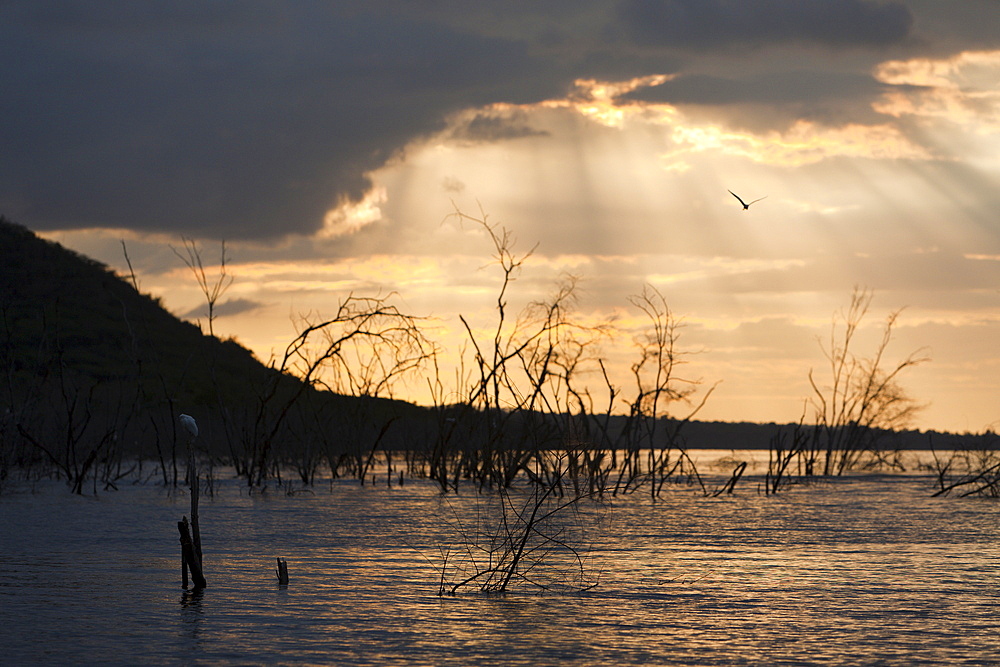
[524,366]
[528,537]
[864,397]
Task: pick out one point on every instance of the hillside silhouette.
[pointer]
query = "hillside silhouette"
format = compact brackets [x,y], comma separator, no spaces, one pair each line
[95,372]
[66,313]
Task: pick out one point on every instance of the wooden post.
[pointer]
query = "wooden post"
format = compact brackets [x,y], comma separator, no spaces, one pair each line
[191,547]
[190,558]
[282,571]
[195,525]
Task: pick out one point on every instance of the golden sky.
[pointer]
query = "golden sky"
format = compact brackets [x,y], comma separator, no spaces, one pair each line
[606,138]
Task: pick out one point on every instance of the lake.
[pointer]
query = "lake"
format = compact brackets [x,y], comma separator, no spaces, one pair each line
[859,570]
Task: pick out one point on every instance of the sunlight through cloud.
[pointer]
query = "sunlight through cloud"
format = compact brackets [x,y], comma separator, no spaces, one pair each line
[597,100]
[350,217]
[961,89]
[802,144]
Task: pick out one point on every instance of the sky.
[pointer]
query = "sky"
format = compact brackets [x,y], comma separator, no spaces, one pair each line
[330,144]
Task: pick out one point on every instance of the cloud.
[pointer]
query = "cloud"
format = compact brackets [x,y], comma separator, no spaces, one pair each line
[232,123]
[773,100]
[490,126]
[453,185]
[777,88]
[947,280]
[773,337]
[225,309]
[255,120]
[701,25]
[351,217]
[959,90]
[802,143]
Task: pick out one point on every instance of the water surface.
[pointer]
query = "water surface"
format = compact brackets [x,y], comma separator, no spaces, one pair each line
[854,571]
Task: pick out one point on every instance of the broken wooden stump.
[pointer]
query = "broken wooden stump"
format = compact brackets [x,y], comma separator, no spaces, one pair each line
[189,557]
[282,571]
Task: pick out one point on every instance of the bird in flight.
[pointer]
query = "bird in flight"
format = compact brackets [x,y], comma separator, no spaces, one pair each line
[746,206]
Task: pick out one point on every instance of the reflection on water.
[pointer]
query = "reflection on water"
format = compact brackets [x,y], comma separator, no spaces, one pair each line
[191,613]
[860,570]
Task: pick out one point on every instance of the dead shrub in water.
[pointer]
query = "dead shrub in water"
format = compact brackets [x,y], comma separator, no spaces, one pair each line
[977,470]
[362,351]
[524,537]
[784,449]
[659,387]
[523,393]
[864,399]
[521,381]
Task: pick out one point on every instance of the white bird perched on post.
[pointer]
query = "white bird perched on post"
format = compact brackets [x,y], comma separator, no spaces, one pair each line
[190,425]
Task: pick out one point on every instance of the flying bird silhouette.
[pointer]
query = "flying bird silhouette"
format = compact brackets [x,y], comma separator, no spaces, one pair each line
[746,206]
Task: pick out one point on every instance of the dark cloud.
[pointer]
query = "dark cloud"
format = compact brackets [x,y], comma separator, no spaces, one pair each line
[950,26]
[772,88]
[485,127]
[236,307]
[224,309]
[823,96]
[249,125]
[703,25]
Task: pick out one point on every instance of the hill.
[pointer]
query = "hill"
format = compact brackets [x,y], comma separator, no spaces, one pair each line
[94,369]
[65,313]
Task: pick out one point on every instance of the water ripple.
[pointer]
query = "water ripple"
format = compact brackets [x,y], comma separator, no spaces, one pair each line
[857,572]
